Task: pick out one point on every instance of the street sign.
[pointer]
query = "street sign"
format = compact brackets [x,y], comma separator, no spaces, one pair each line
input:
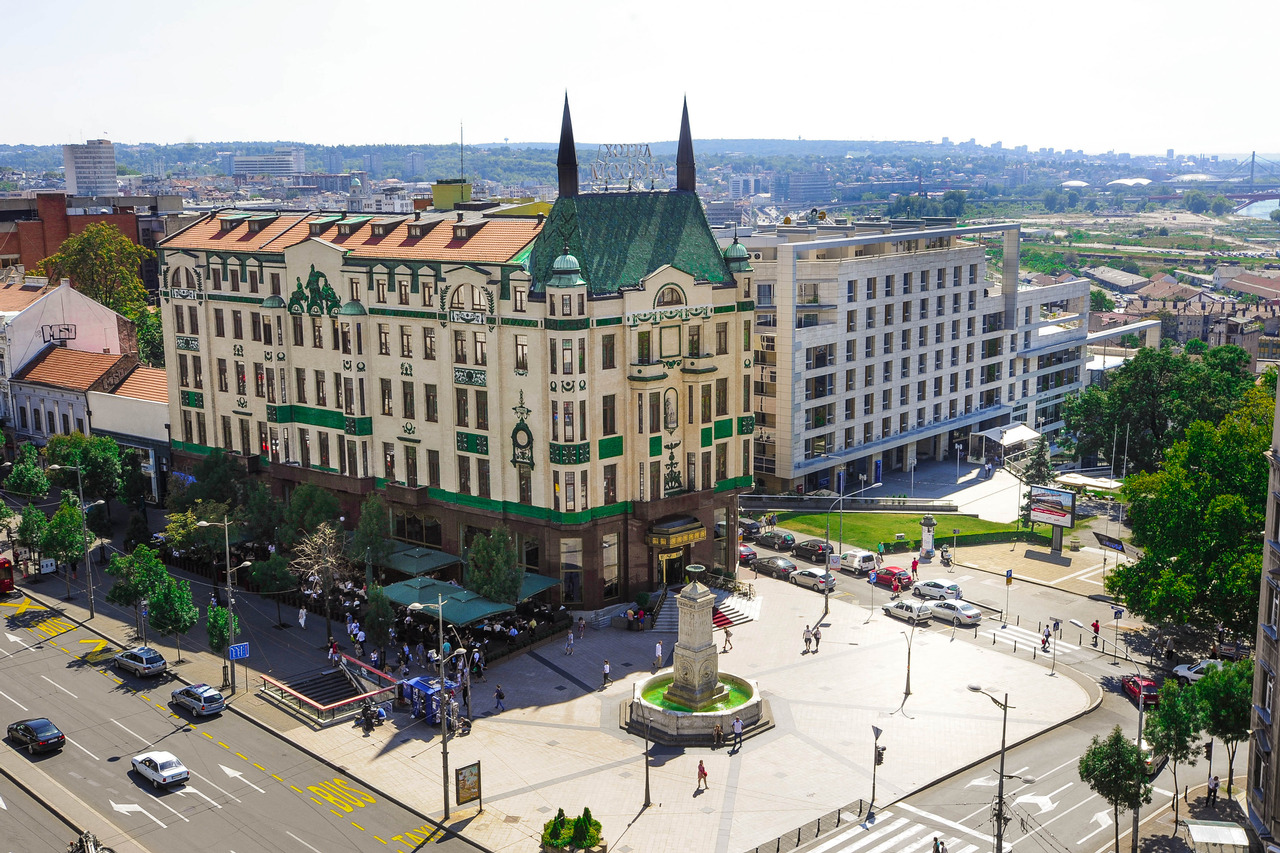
[871,578]
[877,732]
[1118,612]
[238,651]
[1110,542]
[833,561]
[955,531]
[1008,577]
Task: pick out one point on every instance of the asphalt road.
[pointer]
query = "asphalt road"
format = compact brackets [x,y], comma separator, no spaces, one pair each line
[249,790]
[26,826]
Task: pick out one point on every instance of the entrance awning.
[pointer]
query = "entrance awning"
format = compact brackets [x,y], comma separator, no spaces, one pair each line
[1011,434]
[675,531]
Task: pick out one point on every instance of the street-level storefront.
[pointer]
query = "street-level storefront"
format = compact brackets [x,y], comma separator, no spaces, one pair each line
[670,542]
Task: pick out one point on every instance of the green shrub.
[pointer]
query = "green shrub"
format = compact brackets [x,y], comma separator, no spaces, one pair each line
[642,600]
[582,832]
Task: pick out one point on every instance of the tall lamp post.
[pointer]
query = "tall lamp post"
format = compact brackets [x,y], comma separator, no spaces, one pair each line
[84,532]
[444,708]
[1004,706]
[959,448]
[228,669]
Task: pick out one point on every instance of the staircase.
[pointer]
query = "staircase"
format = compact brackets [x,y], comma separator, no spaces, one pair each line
[326,688]
[668,621]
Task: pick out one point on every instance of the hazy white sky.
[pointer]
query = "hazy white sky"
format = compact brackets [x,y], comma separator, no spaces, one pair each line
[1128,75]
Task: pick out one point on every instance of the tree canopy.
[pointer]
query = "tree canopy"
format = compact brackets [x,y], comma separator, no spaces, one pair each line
[1037,470]
[492,569]
[1116,771]
[370,536]
[171,610]
[378,621]
[309,507]
[1100,301]
[64,535]
[104,265]
[97,456]
[26,477]
[272,576]
[1226,703]
[1173,728]
[30,532]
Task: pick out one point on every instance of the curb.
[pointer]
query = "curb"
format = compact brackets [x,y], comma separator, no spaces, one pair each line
[245,715]
[50,807]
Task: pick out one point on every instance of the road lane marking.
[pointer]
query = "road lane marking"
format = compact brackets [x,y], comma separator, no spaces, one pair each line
[215,784]
[357,826]
[236,774]
[259,766]
[135,734]
[60,687]
[1162,792]
[238,755]
[126,808]
[14,701]
[82,749]
[198,793]
[944,822]
[166,805]
[1051,820]
[296,788]
[873,834]
[899,838]
[300,841]
[379,839]
[223,745]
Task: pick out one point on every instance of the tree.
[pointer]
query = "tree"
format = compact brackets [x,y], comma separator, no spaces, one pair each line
[310,507]
[378,621]
[6,519]
[1200,520]
[370,539]
[137,577]
[218,630]
[1275,215]
[1195,201]
[1195,346]
[1226,701]
[150,327]
[138,532]
[1100,301]
[492,570]
[272,577]
[64,536]
[1091,205]
[320,563]
[1172,728]
[261,515]
[1036,471]
[1115,770]
[183,529]
[1219,205]
[135,486]
[172,611]
[1053,201]
[218,478]
[26,477]
[98,457]
[104,265]
[30,532]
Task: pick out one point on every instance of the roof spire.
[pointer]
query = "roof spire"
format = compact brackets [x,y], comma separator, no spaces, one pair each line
[686,172]
[567,160]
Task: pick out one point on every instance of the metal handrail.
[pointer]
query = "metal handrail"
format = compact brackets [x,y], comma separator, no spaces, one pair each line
[284,693]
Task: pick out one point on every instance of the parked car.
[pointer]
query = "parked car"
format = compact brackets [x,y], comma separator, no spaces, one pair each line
[1190,673]
[858,561]
[958,613]
[776,541]
[816,579]
[778,567]
[1238,650]
[141,661]
[200,699]
[746,554]
[885,575]
[160,768]
[37,735]
[1141,686]
[813,550]
[908,611]
[750,529]
[1154,763]
[937,589]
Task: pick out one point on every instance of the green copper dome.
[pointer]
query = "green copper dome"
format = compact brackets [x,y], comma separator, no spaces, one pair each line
[735,255]
[273,301]
[565,271]
[352,309]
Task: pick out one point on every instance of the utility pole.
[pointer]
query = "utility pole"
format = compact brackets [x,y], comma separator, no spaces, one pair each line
[1004,728]
[876,760]
[1142,705]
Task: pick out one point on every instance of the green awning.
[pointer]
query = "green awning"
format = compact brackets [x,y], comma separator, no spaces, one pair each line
[534,584]
[461,606]
[412,560]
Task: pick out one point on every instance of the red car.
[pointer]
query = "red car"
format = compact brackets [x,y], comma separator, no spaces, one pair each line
[1141,686]
[746,555]
[884,577]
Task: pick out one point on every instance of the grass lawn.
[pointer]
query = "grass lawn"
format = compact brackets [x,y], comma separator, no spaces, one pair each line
[865,529]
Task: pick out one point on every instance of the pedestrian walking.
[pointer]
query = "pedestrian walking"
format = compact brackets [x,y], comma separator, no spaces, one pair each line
[404,670]
[935,844]
[582,627]
[1212,799]
[421,659]
[702,776]
[897,587]
[568,644]
[817,638]
[915,568]
[728,639]
[373,658]
[640,619]
[606,680]
[657,655]
[477,662]
[1044,640]
[333,650]
[302,618]
[808,639]
[498,696]
[942,847]
[1096,627]
[1168,649]
[737,733]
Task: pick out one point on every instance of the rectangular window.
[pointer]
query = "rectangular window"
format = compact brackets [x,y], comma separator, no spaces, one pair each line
[202,437]
[297,331]
[582,356]
[179,323]
[655,411]
[253,281]
[300,382]
[407,400]
[184,376]
[462,415]
[275,284]
[525,484]
[317,333]
[570,492]
[566,360]
[518,299]
[608,357]
[568,420]
[482,410]
[433,469]
[746,392]
[610,487]
[459,347]
[655,480]
[464,475]
[554,354]
[389,461]
[482,477]
[722,462]
[555,475]
[217,279]
[706,403]
[691,471]
[222,375]
[706,469]
[226,433]
[411,466]
[643,351]
[722,338]
[722,397]
[304,447]
[237,326]
[522,352]
[380,288]
[347,399]
[403,292]
[384,339]
[197,372]
[235,280]
[406,338]
[429,344]
[324,450]
[746,336]
[242,381]
[255,325]
[431,404]
[345,337]
[270,382]
[481,348]
[566,305]
[608,415]
[555,420]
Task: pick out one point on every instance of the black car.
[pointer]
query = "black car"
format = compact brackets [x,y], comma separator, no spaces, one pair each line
[776,541]
[750,529]
[38,735]
[813,550]
[778,567]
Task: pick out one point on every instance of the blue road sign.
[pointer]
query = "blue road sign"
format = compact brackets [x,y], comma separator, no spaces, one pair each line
[1119,611]
[871,578]
[239,651]
[1008,573]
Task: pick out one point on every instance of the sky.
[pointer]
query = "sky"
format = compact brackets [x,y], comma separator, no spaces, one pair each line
[1123,75]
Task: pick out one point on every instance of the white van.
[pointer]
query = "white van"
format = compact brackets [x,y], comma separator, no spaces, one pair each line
[857,561]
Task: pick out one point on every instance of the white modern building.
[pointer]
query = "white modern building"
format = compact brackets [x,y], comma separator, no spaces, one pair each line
[879,344]
[285,161]
[90,168]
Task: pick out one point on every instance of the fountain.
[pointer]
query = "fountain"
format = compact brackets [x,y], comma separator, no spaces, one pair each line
[684,704]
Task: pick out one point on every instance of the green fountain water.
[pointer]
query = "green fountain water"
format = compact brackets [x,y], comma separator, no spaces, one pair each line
[738,694]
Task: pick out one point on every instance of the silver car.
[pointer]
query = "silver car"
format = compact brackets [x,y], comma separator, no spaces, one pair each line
[937,589]
[909,611]
[200,699]
[160,768]
[141,661]
[956,612]
[814,579]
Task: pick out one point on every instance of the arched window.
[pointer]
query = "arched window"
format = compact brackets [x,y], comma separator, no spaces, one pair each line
[669,296]
[459,299]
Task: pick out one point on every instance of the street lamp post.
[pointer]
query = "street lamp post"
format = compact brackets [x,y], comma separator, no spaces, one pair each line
[444,709]
[84,533]
[1004,706]
[959,447]
[228,668]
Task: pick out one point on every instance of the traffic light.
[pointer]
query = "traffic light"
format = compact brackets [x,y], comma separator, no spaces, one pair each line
[1208,750]
[879,755]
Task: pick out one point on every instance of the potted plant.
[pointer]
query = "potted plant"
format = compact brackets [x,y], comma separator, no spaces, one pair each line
[579,835]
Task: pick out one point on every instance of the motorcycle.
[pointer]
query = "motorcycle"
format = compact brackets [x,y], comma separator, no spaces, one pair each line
[946,555]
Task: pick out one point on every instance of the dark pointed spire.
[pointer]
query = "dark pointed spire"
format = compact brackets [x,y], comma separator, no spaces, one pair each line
[567,161]
[686,172]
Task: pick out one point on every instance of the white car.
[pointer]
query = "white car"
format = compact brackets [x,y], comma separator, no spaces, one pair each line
[818,579]
[958,613]
[1191,673]
[858,561]
[160,768]
[909,611]
[937,589]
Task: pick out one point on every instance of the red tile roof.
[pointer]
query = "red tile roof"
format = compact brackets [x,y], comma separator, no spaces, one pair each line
[67,368]
[145,383]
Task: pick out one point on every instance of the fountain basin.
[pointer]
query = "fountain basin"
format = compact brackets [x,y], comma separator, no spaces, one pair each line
[671,724]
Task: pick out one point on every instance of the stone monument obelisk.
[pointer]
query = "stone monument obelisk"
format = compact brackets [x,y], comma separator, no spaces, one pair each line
[696,659]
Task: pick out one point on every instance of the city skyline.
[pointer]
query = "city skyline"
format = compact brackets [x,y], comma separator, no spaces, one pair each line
[751,74]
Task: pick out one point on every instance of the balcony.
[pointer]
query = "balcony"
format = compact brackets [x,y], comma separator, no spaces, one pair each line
[698,364]
[652,371]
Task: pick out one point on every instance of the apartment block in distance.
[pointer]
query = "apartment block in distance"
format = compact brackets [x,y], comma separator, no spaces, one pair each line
[90,168]
[582,379]
[881,344]
[285,161]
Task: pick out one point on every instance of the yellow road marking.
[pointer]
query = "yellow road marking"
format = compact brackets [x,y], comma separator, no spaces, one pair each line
[317,802]
[23,606]
[299,790]
[277,778]
[223,745]
[259,766]
[206,734]
[242,756]
[145,698]
[357,826]
[379,839]
[97,644]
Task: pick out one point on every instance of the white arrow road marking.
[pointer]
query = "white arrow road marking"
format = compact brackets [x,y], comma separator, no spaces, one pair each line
[82,749]
[236,774]
[985,782]
[1045,802]
[126,808]
[1103,819]
[14,701]
[214,784]
[1060,816]
[161,802]
[2,805]
[14,639]
[60,687]
[300,841]
[182,792]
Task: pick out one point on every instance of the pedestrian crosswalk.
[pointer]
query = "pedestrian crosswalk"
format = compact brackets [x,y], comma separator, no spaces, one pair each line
[1010,634]
[912,831]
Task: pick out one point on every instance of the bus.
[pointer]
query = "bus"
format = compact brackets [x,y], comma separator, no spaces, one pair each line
[6,576]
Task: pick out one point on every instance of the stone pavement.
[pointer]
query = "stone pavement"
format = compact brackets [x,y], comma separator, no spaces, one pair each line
[1081,572]
[559,744]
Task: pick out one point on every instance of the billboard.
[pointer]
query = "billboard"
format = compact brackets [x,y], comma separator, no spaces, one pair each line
[1053,506]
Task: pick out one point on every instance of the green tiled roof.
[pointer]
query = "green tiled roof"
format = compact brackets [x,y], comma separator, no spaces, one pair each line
[619,238]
